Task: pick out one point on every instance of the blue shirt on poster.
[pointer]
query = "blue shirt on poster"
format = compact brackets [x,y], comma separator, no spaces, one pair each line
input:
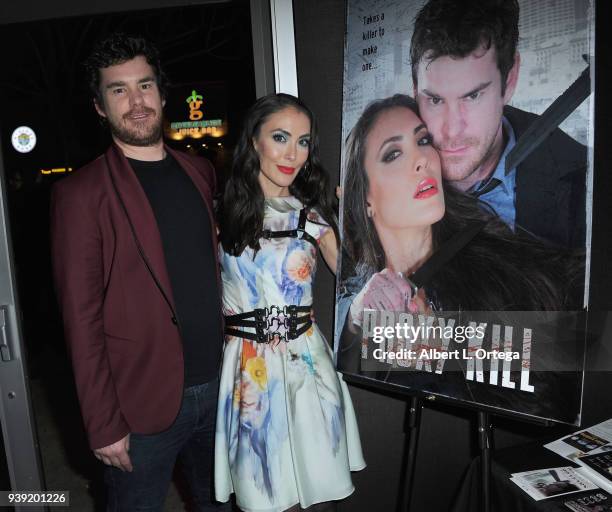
[502,197]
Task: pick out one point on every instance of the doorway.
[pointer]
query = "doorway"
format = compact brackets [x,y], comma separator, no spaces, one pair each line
[204,48]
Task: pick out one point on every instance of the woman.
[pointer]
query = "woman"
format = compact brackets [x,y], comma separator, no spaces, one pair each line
[286,429]
[397,216]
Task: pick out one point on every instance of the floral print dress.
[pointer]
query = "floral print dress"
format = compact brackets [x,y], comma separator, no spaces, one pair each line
[286,428]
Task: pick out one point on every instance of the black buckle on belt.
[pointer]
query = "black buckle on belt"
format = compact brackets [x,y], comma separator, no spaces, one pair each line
[268,322]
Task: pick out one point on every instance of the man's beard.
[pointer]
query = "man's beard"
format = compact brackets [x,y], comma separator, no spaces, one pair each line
[459,168]
[147,132]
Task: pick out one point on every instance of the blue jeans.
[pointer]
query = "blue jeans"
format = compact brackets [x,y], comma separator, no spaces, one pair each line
[190,439]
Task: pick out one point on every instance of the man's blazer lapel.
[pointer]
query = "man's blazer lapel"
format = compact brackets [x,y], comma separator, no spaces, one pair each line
[536,195]
[536,182]
[141,215]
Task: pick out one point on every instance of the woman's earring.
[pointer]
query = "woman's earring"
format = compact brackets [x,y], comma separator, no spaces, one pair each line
[369,211]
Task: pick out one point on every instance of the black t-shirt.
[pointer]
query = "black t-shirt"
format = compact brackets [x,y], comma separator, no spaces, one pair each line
[184,225]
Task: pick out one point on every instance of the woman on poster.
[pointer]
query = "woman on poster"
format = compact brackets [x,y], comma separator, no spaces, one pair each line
[286,430]
[398,215]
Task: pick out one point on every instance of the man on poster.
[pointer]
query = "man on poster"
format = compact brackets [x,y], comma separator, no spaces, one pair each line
[135,266]
[465,68]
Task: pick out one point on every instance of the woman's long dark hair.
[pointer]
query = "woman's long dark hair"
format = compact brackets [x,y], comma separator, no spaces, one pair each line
[241,209]
[497,270]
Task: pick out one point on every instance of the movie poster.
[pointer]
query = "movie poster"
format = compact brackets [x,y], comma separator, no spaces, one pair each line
[465,208]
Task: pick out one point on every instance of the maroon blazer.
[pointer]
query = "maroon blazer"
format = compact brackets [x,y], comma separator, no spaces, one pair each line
[125,347]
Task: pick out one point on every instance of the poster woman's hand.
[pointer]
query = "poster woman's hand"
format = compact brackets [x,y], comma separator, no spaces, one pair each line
[385,290]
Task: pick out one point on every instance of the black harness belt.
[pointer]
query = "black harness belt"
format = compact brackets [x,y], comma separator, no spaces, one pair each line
[268,323]
[272,321]
[299,232]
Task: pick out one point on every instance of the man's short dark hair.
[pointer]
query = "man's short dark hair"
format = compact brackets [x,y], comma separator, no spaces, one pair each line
[457,28]
[116,49]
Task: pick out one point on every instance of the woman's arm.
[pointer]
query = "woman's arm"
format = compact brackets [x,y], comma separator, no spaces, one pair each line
[329,249]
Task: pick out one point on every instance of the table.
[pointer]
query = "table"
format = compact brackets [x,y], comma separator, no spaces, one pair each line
[506,496]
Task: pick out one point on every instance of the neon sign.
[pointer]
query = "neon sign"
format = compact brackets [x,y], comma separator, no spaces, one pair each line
[197,123]
[56,170]
[195,102]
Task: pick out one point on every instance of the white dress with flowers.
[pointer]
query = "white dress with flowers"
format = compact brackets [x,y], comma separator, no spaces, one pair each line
[286,428]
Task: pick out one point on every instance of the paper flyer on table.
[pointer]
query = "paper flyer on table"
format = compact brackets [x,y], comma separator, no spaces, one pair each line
[591,448]
[594,502]
[547,483]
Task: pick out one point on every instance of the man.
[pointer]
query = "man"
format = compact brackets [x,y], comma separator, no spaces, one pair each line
[465,68]
[134,259]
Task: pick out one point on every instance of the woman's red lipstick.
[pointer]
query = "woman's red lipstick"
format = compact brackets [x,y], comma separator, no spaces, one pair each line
[426,188]
[286,170]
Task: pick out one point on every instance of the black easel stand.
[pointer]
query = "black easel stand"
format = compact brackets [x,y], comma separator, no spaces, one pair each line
[484,443]
[412,423]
